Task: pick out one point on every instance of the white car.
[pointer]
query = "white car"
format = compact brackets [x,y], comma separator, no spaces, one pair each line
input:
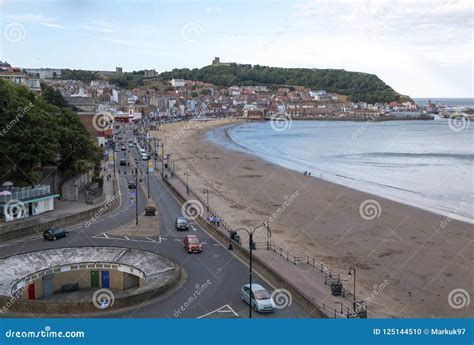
[259,298]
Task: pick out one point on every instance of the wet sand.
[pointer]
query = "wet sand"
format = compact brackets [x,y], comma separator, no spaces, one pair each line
[408,260]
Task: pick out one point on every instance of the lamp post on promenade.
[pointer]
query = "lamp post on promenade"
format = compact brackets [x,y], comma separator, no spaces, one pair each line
[352,270]
[251,247]
[186,173]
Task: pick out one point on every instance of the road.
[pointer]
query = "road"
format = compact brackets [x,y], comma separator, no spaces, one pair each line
[218,269]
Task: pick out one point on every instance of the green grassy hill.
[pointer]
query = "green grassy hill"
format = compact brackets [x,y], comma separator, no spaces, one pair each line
[356,85]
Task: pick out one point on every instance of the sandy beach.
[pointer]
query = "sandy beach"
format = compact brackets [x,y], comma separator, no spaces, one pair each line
[416,256]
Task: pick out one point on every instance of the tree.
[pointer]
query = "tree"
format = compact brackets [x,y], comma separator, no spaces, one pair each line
[37,130]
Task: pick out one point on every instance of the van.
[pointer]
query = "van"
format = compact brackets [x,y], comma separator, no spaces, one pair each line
[150,210]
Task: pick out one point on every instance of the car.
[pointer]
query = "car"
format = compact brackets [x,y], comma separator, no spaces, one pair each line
[132,185]
[259,298]
[182,224]
[145,157]
[123,148]
[130,144]
[123,162]
[192,244]
[150,210]
[55,233]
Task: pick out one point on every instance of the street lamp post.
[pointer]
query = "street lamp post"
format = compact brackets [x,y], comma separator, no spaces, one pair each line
[148,181]
[136,196]
[162,159]
[156,154]
[186,173]
[353,269]
[251,245]
[113,180]
[206,191]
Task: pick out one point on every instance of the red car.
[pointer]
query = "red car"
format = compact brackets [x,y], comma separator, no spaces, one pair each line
[192,244]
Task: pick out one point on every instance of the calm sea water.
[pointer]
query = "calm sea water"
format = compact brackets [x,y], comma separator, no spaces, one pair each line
[421,163]
[451,102]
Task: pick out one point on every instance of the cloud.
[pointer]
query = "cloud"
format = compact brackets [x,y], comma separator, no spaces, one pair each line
[52,25]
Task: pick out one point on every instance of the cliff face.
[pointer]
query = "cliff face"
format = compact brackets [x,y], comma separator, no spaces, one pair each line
[356,85]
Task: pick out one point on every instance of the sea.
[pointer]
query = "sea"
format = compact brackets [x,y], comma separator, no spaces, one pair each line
[426,164]
[447,102]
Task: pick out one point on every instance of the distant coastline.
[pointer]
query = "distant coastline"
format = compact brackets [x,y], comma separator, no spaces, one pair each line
[452,102]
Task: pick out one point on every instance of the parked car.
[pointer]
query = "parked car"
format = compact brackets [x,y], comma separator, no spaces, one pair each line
[130,144]
[192,244]
[145,157]
[182,224]
[123,162]
[55,233]
[132,185]
[259,298]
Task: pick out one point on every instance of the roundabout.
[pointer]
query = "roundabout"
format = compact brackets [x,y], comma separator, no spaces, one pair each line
[83,279]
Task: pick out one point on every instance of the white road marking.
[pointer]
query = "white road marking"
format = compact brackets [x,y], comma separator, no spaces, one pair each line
[224,309]
[106,235]
[126,237]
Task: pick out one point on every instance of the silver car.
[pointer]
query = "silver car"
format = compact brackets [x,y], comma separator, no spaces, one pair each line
[259,298]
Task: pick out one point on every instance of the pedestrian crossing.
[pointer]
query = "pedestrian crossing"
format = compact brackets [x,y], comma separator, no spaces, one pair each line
[107,236]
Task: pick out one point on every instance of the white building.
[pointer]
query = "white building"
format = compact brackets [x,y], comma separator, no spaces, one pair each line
[178,82]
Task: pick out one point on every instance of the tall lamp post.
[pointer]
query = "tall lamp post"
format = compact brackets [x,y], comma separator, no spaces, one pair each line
[352,270]
[162,159]
[136,196]
[186,173]
[206,191]
[113,180]
[148,180]
[251,247]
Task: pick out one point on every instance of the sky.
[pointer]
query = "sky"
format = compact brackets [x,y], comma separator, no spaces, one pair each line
[422,48]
